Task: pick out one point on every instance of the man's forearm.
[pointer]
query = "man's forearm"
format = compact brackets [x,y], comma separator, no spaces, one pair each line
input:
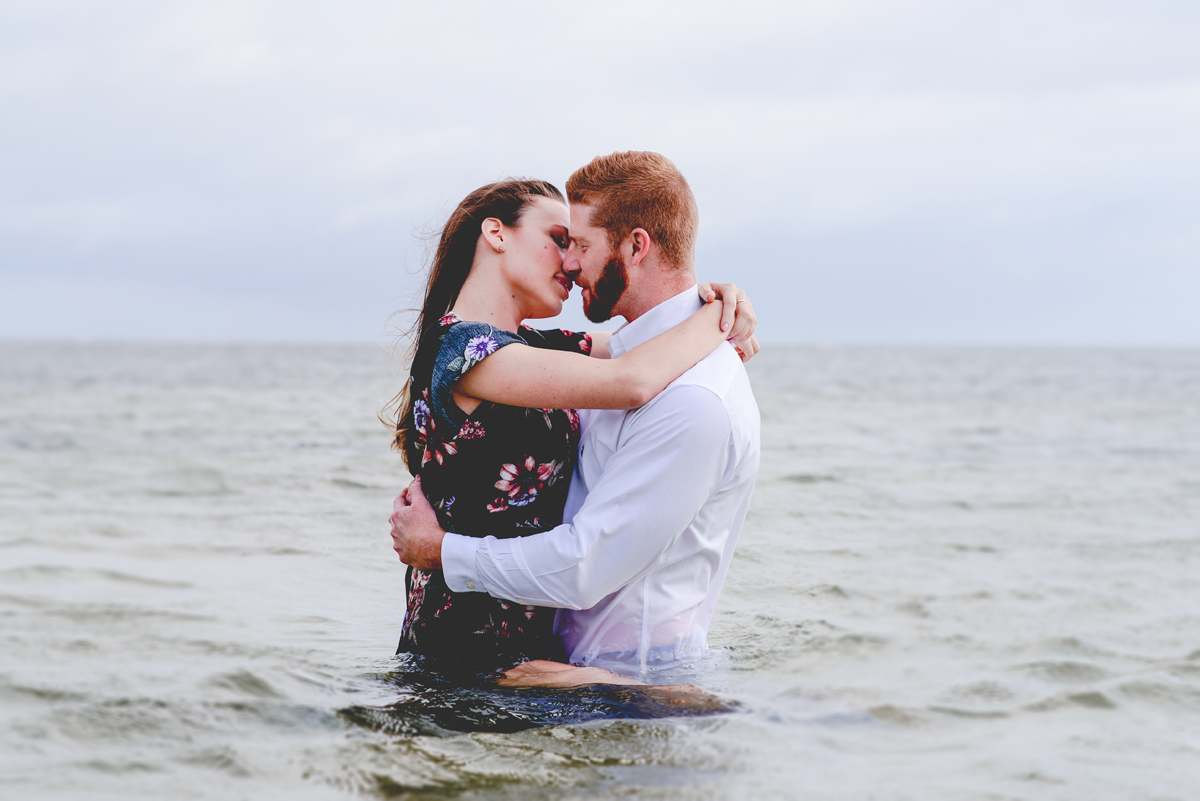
[498,567]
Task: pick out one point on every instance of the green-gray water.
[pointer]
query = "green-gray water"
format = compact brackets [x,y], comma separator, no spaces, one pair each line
[967,574]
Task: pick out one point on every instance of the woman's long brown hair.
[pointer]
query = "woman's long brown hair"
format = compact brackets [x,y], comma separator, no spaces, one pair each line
[504,200]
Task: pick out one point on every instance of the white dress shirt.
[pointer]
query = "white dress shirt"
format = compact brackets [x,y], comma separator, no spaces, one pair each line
[655,507]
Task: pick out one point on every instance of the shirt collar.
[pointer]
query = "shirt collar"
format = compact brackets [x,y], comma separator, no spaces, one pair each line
[668,314]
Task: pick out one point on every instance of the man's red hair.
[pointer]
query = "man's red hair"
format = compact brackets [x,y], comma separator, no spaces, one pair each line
[640,189]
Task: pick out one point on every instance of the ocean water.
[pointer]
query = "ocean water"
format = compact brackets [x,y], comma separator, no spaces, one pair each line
[966,574]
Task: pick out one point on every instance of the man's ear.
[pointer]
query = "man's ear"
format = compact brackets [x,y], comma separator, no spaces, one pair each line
[640,241]
[493,233]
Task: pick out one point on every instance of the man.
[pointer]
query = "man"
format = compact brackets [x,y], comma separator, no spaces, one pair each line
[660,492]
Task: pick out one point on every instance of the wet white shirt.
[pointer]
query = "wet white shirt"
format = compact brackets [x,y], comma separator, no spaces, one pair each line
[652,517]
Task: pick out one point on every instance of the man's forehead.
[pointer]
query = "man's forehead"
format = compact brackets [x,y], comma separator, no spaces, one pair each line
[581,217]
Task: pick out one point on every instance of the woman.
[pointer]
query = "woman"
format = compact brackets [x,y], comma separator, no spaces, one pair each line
[495,447]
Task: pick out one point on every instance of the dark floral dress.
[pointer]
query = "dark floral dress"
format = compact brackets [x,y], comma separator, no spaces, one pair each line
[501,471]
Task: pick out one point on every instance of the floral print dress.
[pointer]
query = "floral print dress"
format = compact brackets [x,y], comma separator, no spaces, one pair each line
[501,471]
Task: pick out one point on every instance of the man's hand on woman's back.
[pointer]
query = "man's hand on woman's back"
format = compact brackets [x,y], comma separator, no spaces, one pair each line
[416,533]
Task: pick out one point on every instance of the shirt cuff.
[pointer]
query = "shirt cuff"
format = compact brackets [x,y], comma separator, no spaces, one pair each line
[458,563]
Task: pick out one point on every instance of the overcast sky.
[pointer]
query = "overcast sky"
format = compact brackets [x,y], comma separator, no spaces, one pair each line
[925,171]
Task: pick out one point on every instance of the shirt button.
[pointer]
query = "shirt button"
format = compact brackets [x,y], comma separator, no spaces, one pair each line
[470,585]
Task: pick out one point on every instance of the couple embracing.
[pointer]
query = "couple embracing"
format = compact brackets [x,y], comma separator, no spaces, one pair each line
[563,544]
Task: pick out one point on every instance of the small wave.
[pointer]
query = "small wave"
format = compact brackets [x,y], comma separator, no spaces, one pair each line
[121,767]
[1066,672]
[199,492]
[960,712]
[18,542]
[137,721]
[51,695]
[1173,696]
[914,608]
[826,591]
[74,573]
[1093,699]
[12,489]
[352,484]
[246,683]
[986,691]
[1069,646]
[46,444]
[106,614]
[28,603]
[810,478]
[125,720]
[896,715]
[220,758]
[182,481]
[980,699]
[965,548]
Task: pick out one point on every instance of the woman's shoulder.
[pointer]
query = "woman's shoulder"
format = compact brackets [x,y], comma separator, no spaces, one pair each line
[462,344]
[452,334]
[465,343]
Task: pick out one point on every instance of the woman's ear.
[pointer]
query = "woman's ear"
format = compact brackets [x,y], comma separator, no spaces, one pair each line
[493,233]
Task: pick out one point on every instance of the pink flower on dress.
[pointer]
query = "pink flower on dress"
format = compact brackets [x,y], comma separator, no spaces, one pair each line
[438,452]
[416,594]
[449,319]
[434,450]
[471,430]
[523,481]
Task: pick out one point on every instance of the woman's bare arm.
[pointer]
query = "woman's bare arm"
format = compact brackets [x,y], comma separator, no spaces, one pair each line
[518,375]
[599,345]
[739,322]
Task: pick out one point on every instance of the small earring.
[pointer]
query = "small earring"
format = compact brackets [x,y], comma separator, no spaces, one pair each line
[500,249]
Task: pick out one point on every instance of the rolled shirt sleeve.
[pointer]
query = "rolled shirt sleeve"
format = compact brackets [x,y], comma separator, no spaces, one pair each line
[671,457]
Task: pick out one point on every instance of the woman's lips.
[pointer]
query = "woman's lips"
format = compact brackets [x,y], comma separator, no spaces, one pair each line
[564,282]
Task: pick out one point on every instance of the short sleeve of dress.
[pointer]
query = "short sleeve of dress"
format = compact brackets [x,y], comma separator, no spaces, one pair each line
[558,339]
[465,345]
